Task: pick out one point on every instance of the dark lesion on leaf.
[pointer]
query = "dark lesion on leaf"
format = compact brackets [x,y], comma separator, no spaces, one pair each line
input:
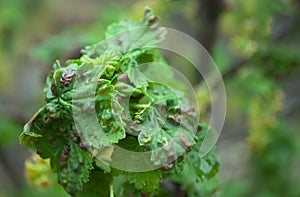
[67,77]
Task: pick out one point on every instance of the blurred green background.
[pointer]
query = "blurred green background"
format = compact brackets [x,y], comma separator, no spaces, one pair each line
[255,43]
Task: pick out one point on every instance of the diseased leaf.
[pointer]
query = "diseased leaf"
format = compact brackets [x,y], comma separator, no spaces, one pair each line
[205,167]
[103,99]
[137,78]
[128,35]
[75,166]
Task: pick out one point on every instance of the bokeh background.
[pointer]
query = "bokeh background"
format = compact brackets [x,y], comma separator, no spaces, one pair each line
[255,43]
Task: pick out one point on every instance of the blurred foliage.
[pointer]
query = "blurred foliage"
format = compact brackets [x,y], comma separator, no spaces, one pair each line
[263,120]
[249,23]
[8,132]
[249,26]
[38,172]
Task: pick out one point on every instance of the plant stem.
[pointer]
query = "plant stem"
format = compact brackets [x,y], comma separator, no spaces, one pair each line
[137,106]
[111,190]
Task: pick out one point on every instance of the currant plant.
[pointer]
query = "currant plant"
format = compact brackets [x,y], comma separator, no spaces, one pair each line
[133,113]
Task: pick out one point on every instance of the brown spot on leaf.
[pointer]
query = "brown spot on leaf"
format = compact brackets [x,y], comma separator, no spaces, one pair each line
[67,77]
[186,143]
[119,42]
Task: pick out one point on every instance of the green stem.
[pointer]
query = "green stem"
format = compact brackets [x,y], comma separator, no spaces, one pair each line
[141,106]
[138,106]
[111,190]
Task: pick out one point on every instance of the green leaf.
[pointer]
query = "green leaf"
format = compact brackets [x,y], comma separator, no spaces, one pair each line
[74,172]
[137,78]
[147,182]
[98,185]
[128,35]
[27,141]
[123,189]
[124,89]
[204,167]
